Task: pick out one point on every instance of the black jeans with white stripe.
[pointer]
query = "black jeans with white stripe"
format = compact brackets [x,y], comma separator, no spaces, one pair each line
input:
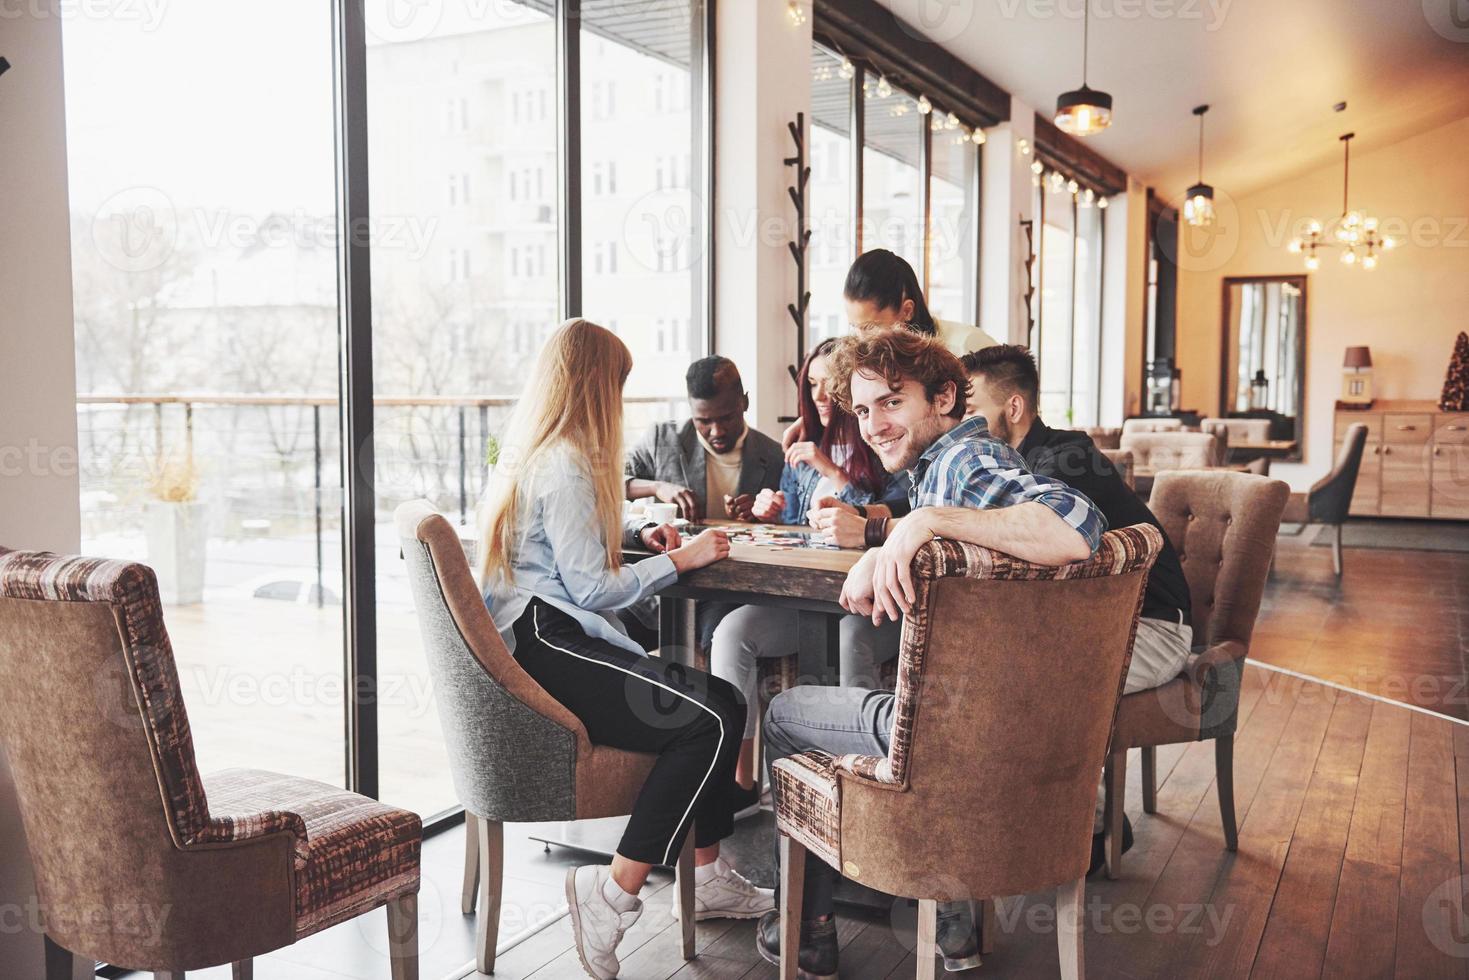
[644,704]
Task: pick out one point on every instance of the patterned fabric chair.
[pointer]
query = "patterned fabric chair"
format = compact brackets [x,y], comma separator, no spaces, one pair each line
[515,753]
[1330,498]
[141,861]
[1223,525]
[995,751]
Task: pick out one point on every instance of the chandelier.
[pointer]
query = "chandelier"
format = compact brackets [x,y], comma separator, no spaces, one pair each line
[1357,234]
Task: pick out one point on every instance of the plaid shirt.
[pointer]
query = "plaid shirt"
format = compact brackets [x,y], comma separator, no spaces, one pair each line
[967,467]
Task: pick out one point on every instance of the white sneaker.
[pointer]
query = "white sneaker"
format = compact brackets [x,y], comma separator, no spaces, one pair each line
[596,926]
[728,895]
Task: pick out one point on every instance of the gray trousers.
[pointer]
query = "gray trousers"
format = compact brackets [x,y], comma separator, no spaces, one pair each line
[748,633]
[850,720]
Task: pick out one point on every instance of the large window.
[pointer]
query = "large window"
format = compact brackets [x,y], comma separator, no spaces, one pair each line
[829,192]
[209,256]
[204,279]
[915,186]
[892,171]
[953,235]
[1068,329]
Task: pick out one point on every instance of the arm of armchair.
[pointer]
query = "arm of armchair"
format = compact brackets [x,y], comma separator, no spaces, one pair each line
[244,805]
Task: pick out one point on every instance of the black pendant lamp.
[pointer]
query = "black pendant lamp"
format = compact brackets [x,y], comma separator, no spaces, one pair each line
[1198,200]
[1084,111]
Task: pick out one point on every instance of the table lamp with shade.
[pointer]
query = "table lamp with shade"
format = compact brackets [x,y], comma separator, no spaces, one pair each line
[1356,380]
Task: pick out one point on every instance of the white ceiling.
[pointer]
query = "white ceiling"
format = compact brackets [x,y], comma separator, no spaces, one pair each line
[1271,70]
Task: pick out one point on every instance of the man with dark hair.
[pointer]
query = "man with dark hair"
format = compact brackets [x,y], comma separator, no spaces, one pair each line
[908,394]
[1004,388]
[714,464]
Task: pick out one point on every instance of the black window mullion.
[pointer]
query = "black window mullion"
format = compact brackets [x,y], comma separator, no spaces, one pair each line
[568,144]
[354,379]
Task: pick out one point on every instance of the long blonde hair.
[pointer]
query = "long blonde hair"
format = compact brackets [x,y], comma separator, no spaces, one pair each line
[572,398]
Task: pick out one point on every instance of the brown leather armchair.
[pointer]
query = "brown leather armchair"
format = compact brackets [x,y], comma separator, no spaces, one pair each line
[515,753]
[1223,525]
[141,861]
[1005,797]
[1330,498]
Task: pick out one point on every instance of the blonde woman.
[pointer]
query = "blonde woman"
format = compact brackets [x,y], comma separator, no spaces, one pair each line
[553,534]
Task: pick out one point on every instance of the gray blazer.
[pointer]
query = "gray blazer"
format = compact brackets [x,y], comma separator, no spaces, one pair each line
[670,452]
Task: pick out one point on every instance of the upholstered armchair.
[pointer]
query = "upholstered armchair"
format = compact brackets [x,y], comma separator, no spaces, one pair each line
[1154,451]
[515,753]
[1132,427]
[1223,525]
[141,861]
[1235,431]
[1104,437]
[996,745]
[1122,460]
[1330,498]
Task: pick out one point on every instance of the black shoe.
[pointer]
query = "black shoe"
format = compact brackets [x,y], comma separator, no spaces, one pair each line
[745,802]
[817,959]
[1099,846]
[958,940]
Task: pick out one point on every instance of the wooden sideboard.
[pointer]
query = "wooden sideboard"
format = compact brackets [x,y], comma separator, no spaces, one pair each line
[1416,463]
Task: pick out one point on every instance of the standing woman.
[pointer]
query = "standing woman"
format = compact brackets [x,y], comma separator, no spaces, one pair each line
[882,289]
[832,472]
[553,533]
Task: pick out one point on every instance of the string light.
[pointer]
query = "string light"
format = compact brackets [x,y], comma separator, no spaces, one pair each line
[936,123]
[951,121]
[884,90]
[795,13]
[1037,168]
[924,106]
[1101,203]
[847,70]
[1073,186]
[977,137]
[1023,145]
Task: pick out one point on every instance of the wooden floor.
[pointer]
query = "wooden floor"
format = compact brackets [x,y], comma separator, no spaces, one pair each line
[1395,624]
[1353,815]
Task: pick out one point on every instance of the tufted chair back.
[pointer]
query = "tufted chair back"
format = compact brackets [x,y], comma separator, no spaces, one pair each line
[1131,427]
[1155,451]
[1223,525]
[1236,431]
[1104,437]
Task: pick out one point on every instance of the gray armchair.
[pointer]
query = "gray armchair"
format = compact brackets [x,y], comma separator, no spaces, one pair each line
[1330,498]
[515,753]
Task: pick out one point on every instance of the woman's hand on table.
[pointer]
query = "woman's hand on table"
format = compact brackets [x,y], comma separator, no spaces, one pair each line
[660,539]
[767,506]
[703,549]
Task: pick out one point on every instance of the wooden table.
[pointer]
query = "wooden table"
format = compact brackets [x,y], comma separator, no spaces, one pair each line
[807,580]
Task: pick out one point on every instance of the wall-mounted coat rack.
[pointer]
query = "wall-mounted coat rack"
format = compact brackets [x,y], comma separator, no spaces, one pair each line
[797,310]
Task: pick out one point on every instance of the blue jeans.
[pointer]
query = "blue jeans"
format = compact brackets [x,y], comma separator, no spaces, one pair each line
[839,720]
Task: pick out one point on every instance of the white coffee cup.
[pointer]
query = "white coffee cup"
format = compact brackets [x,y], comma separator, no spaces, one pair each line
[662,513]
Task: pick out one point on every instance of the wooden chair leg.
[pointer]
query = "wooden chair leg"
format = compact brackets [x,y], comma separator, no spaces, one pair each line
[242,970]
[471,863]
[928,947]
[489,871]
[1224,779]
[59,961]
[1150,779]
[986,918]
[1336,552]
[1070,903]
[684,881]
[403,936]
[792,896]
[1116,789]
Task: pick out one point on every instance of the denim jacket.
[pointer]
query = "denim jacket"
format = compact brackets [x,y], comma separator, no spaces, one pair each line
[798,483]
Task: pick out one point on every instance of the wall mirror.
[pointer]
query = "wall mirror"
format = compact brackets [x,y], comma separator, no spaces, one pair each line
[1263,371]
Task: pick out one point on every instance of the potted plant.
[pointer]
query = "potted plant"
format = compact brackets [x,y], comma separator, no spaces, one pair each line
[176,530]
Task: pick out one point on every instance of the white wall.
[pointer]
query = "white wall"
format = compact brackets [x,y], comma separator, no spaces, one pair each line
[1408,310]
[1006,200]
[38,474]
[764,79]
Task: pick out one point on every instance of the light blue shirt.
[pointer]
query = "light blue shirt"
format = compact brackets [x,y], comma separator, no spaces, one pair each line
[562,556]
